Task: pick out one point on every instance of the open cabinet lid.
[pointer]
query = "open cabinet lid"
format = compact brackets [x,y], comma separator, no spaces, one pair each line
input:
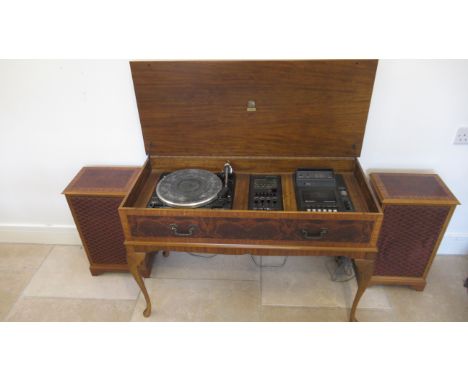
[313,108]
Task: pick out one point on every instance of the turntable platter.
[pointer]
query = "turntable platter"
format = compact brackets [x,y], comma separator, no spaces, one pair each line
[189,188]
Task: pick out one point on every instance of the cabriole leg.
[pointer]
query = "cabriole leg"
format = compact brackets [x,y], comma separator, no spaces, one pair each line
[364,271]
[135,260]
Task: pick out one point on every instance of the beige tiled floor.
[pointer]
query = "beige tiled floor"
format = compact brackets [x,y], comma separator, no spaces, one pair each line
[53,283]
[65,273]
[305,282]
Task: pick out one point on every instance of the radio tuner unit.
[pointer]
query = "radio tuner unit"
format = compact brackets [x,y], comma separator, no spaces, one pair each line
[265,193]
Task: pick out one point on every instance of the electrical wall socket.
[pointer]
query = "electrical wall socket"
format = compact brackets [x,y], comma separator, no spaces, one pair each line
[462,136]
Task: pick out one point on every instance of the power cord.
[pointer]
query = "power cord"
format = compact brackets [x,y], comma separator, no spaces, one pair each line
[202,256]
[251,256]
[269,266]
[341,269]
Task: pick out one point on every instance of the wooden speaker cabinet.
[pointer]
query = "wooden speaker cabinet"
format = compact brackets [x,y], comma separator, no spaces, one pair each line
[94,196]
[417,209]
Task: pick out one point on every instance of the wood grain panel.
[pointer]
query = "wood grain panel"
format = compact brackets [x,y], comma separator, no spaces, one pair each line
[365,189]
[148,189]
[241,192]
[289,194]
[251,165]
[303,108]
[251,229]
[407,188]
[286,249]
[354,193]
[103,180]
[134,193]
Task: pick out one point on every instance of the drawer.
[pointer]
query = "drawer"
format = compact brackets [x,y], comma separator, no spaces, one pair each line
[320,230]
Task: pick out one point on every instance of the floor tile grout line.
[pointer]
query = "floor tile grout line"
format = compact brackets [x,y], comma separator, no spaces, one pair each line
[52,246]
[78,298]
[135,307]
[390,301]
[260,281]
[323,307]
[7,316]
[261,284]
[389,308]
[389,296]
[22,295]
[195,279]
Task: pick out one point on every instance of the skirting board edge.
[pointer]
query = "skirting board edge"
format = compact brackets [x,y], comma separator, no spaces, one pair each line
[39,234]
[455,243]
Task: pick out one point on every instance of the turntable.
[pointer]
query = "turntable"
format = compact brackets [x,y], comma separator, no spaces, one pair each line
[194,188]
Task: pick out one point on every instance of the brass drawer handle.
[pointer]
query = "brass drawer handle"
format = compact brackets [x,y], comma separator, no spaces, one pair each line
[306,235]
[190,231]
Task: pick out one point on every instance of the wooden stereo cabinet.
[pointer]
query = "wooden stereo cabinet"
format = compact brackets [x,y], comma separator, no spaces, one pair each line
[417,209]
[94,196]
[263,117]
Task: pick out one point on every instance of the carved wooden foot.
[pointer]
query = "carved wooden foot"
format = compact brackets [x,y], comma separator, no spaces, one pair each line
[95,272]
[364,271]
[419,287]
[135,260]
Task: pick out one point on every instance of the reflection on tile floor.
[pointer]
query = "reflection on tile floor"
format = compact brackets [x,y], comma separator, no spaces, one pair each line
[12,283]
[67,309]
[53,283]
[200,300]
[305,282]
[65,273]
[181,265]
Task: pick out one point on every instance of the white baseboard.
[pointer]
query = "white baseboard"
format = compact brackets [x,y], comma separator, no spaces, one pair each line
[39,234]
[452,244]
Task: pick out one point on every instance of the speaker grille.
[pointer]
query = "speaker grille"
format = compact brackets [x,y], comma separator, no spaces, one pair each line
[407,239]
[100,227]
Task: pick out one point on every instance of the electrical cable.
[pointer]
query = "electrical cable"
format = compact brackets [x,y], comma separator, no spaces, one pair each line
[202,256]
[251,256]
[269,266]
[343,266]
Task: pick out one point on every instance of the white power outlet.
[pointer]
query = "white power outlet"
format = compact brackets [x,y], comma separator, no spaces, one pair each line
[462,136]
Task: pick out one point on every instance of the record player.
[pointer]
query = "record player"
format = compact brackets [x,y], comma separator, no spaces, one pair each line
[194,188]
[258,122]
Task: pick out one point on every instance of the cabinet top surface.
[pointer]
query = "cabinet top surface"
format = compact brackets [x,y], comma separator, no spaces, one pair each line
[310,108]
[105,181]
[402,188]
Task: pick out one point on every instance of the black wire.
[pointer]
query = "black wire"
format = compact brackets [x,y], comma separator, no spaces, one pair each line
[344,265]
[269,266]
[252,257]
[347,268]
[202,256]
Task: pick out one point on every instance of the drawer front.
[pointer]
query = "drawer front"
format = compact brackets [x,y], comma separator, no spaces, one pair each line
[316,231]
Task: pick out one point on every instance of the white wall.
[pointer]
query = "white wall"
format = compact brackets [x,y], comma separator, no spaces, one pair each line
[417,107]
[57,116]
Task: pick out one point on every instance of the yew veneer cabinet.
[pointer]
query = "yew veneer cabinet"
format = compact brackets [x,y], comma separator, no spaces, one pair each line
[199,114]
[94,196]
[417,209]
